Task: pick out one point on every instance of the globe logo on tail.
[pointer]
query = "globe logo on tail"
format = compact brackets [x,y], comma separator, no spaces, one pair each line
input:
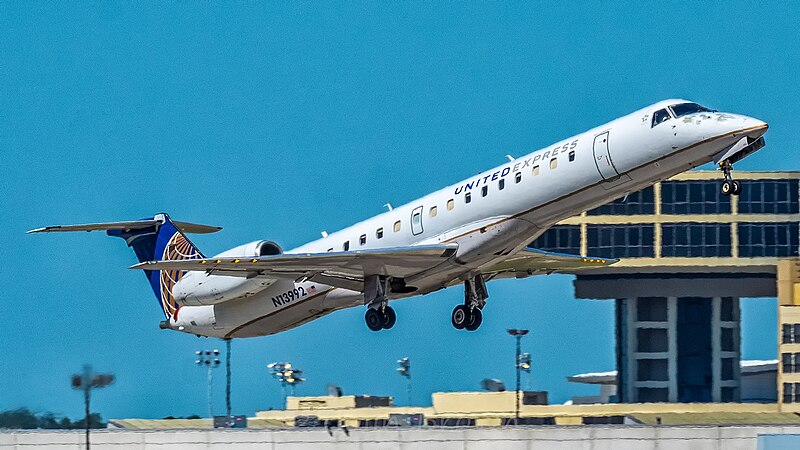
[178,248]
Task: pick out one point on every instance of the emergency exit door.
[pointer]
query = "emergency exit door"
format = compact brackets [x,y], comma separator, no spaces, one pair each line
[602,157]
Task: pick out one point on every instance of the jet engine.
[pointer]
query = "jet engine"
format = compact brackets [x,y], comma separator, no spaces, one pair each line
[204,288]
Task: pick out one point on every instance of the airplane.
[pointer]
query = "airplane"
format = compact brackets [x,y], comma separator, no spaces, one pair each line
[468,233]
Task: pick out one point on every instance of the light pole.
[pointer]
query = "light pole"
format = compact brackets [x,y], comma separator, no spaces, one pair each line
[405,370]
[287,375]
[518,335]
[210,360]
[85,382]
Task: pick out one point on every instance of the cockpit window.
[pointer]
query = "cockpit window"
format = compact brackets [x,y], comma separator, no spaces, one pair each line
[683,109]
[660,116]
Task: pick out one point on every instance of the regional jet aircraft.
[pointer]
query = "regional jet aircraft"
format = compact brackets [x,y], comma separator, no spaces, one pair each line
[467,233]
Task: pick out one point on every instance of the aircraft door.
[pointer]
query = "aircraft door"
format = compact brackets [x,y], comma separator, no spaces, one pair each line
[602,157]
[416,221]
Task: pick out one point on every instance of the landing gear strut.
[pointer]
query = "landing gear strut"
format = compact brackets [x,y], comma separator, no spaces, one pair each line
[729,185]
[468,316]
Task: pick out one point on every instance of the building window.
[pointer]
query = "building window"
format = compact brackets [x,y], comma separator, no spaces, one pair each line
[651,309]
[535,170]
[572,156]
[727,342]
[727,394]
[787,362]
[652,370]
[642,202]
[620,241]
[788,392]
[484,191]
[727,367]
[501,184]
[467,197]
[791,333]
[651,340]
[560,239]
[451,204]
[603,420]
[433,211]
[651,395]
[517,177]
[769,197]
[768,239]
[397,226]
[553,163]
[379,233]
[346,246]
[362,240]
[688,239]
[727,309]
[693,197]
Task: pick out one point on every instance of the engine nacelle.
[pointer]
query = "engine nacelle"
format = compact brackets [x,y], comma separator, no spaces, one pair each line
[201,288]
[255,248]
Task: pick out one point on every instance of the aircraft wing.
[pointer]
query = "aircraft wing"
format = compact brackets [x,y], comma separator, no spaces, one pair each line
[341,269]
[532,261]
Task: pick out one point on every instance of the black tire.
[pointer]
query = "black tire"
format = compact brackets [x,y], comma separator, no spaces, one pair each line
[475,320]
[374,319]
[389,317]
[460,317]
[727,187]
[737,188]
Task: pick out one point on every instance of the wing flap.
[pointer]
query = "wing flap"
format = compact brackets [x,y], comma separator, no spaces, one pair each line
[533,261]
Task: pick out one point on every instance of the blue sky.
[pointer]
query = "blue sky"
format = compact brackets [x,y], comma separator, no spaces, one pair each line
[279,120]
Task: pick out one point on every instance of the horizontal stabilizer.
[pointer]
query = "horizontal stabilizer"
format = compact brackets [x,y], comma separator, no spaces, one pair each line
[184,227]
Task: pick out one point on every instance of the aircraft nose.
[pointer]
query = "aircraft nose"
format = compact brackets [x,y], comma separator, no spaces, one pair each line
[754,127]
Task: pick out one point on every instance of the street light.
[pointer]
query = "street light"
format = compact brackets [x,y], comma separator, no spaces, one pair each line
[87,381]
[210,360]
[518,363]
[287,375]
[405,370]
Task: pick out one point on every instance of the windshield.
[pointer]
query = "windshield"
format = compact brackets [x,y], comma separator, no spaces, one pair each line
[683,109]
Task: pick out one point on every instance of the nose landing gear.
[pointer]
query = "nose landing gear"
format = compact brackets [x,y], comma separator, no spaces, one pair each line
[729,185]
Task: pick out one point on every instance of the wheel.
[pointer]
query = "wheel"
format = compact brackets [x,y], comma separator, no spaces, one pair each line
[727,187]
[460,317]
[389,317]
[737,188]
[374,319]
[475,320]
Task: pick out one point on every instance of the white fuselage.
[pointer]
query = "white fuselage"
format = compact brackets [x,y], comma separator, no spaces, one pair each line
[490,216]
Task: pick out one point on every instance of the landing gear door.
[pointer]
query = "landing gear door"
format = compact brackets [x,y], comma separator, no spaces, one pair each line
[602,157]
[416,221]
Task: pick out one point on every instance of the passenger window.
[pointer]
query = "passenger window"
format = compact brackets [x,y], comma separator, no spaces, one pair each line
[379,233]
[363,239]
[397,226]
[451,204]
[484,191]
[518,177]
[660,116]
[572,156]
[553,163]
[346,246]
[535,170]
[467,197]
[501,184]
[433,211]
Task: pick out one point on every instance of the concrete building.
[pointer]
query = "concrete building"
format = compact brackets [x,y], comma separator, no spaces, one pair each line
[689,253]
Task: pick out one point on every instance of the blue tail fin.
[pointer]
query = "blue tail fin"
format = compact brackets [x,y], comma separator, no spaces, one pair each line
[159,240]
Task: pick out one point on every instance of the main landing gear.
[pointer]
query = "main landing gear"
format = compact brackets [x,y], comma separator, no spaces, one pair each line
[379,315]
[381,318]
[469,316]
[729,185]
